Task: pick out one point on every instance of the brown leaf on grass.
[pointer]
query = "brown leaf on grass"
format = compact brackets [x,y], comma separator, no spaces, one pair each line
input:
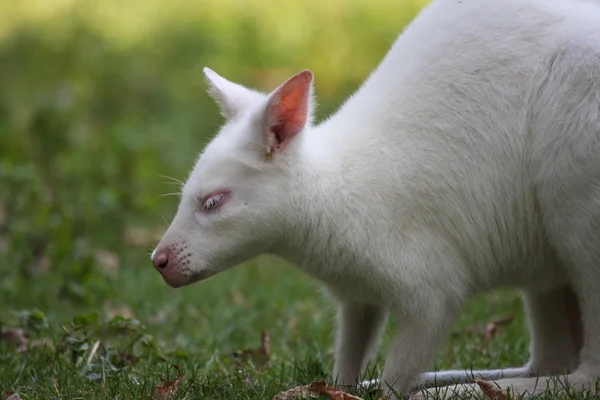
[259,356]
[337,394]
[491,390]
[492,327]
[314,390]
[300,392]
[16,337]
[8,395]
[169,388]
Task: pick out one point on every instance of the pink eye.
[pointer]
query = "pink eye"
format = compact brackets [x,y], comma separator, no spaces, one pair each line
[213,200]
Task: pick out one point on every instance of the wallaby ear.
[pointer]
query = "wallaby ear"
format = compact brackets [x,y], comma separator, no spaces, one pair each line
[231,97]
[288,110]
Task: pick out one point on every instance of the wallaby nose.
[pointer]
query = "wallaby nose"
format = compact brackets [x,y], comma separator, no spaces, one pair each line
[161,260]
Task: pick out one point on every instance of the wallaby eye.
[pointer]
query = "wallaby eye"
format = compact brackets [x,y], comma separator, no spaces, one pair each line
[212,200]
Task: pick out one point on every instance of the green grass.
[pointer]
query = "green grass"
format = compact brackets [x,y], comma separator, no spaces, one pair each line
[97,100]
[198,327]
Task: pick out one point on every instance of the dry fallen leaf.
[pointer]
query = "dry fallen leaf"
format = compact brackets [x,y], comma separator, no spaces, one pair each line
[337,394]
[259,356]
[492,327]
[168,389]
[8,395]
[491,390]
[16,337]
[314,390]
[300,392]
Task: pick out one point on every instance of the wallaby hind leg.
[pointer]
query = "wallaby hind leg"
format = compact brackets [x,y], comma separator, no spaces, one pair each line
[555,344]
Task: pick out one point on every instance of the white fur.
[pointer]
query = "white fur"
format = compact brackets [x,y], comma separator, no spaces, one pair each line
[467,161]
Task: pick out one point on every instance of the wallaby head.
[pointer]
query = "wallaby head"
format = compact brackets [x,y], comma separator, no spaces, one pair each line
[233,202]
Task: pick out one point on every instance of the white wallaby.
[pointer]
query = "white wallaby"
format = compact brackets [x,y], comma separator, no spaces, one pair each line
[468,160]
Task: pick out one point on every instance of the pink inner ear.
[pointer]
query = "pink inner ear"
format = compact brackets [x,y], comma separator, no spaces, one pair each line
[288,107]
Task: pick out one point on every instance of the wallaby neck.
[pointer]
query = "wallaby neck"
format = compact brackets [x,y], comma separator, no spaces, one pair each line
[315,233]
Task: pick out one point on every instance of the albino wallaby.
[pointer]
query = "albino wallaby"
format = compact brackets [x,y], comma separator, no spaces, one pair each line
[468,160]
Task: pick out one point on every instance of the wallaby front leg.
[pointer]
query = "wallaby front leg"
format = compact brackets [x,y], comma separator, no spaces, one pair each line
[420,334]
[359,330]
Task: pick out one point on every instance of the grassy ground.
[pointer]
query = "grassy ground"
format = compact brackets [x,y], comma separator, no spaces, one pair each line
[97,100]
[197,328]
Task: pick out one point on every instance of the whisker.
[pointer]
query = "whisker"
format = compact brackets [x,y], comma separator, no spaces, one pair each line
[164,219]
[171,178]
[169,194]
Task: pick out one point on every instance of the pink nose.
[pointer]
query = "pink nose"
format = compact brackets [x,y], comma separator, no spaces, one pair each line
[161,260]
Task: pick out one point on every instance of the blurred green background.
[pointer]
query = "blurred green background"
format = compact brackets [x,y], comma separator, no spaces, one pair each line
[98,99]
